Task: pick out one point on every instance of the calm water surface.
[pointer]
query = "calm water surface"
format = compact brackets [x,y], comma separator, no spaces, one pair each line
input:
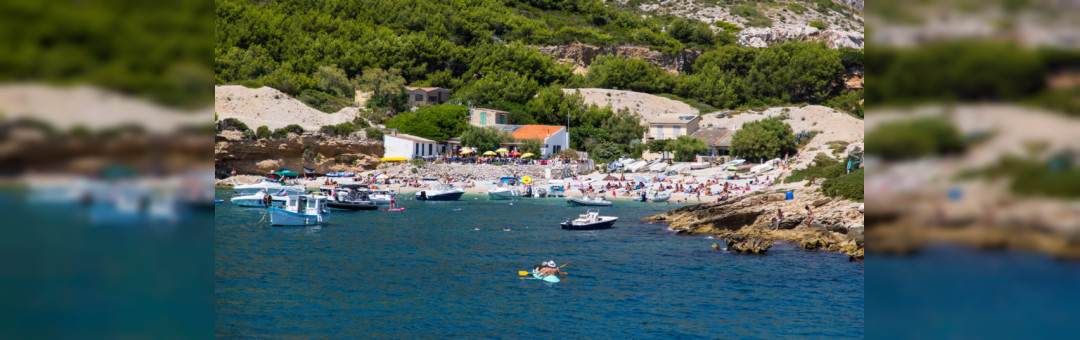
[426,273]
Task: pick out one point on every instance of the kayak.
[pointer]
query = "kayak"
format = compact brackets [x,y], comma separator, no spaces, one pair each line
[549,278]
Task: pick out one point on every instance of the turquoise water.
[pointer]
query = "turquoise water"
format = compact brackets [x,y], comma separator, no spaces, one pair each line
[426,273]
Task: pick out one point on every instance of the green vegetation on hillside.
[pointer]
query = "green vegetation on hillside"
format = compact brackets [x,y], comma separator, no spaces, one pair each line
[914,138]
[155,50]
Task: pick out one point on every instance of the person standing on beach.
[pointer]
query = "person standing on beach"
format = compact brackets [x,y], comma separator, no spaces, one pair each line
[779,218]
[809,215]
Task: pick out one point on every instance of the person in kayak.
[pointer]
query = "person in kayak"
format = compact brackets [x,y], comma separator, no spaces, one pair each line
[548,269]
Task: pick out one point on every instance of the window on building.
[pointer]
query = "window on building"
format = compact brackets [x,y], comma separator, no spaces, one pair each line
[416,149]
[502,118]
[660,132]
[430,149]
[483,118]
[675,131]
[419,97]
[433,99]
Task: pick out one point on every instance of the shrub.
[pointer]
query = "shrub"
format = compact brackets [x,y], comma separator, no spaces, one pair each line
[804,137]
[763,139]
[753,17]
[232,124]
[568,153]
[914,138]
[848,186]
[373,133]
[417,162]
[818,25]
[262,132]
[823,167]
[605,152]
[322,101]
[686,148]
[343,129]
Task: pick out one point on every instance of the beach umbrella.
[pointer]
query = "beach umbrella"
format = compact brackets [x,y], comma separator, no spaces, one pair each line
[514,153]
[489,153]
[502,150]
[527,155]
[465,151]
[381,176]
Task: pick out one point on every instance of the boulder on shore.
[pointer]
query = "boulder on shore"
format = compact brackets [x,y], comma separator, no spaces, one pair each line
[742,244]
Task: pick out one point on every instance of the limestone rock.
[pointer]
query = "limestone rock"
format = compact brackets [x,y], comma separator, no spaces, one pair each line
[769,36]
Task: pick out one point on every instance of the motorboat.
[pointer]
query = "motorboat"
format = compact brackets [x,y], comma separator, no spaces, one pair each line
[591,220]
[442,192]
[259,198]
[301,210]
[381,196]
[263,184]
[348,199]
[763,167]
[503,193]
[658,167]
[531,191]
[661,196]
[556,191]
[588,200]
[699,165]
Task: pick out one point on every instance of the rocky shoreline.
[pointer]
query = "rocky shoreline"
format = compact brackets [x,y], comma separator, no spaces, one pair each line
[745,222]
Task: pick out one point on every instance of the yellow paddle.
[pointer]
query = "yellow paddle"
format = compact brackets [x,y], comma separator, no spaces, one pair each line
[523,273]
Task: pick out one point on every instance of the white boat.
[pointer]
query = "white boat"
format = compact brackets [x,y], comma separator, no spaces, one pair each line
[699,165]
[258,199]
[556,191]
[444,192]
[763,167]
[303,210]
[503,193]
[590,220]
[634,167]
[535,192]
[587,200]
[658,167]
[263,184]
[381,196]
[736,162]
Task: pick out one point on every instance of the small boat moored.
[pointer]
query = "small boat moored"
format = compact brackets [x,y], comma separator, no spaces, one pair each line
[503,193]
[443,192]
[588,200]
[303,210]
[591,220]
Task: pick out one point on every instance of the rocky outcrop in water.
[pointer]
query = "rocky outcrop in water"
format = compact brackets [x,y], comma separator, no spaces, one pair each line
[324,154]
[741,243]
[582,55]
[838,225]
[768,36]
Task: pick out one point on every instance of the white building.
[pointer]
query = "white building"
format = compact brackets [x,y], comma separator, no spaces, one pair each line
[553,138]
[408,146]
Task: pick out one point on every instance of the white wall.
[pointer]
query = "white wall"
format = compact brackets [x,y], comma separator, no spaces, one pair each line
[397,147]
[558,138]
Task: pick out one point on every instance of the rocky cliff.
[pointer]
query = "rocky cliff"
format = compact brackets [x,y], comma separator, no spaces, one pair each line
[324,154]
[582,55]
[769,36]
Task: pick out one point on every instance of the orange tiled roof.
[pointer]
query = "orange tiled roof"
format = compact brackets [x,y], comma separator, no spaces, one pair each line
[536,131]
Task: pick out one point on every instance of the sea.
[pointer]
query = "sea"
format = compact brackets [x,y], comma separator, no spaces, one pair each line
[451,270]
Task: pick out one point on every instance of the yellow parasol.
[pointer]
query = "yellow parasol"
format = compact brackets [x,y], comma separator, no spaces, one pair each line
[526,180]
[489,153]
[465,151]
[527,155]
[502,150]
